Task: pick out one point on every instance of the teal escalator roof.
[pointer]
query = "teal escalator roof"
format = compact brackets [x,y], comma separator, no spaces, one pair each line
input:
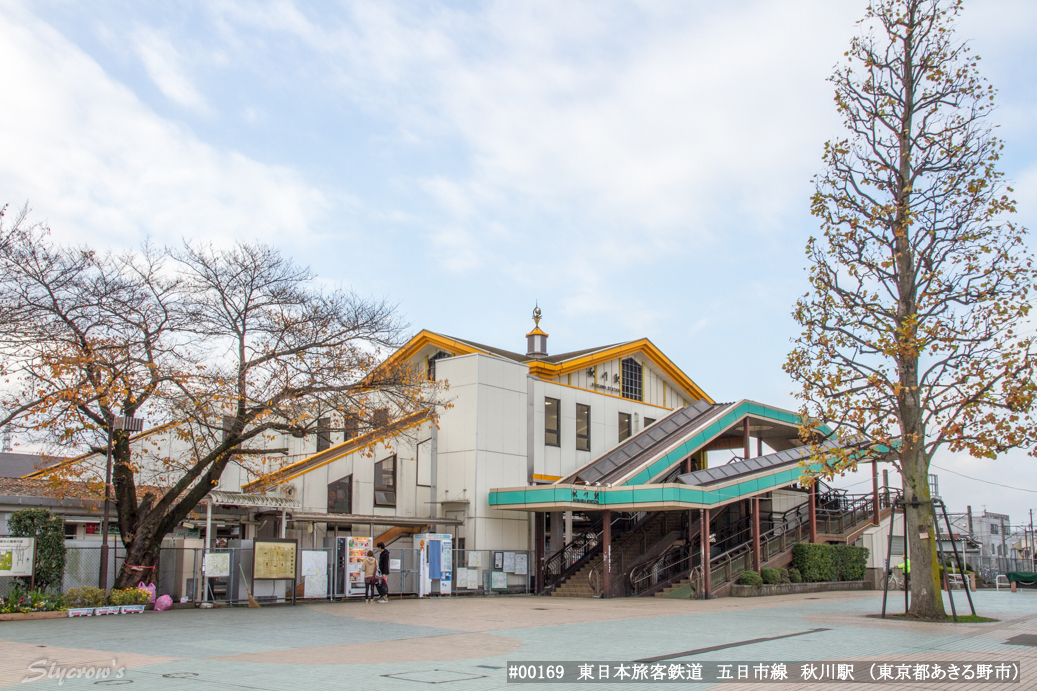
[646,444]
[742,468]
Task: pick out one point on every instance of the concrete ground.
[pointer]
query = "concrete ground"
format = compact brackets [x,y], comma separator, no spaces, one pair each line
[466,643]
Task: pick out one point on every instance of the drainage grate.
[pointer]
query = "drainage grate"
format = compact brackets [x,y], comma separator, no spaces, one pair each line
[1023,639]
[435,676]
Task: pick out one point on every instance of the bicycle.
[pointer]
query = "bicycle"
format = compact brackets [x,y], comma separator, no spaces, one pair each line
[896,579]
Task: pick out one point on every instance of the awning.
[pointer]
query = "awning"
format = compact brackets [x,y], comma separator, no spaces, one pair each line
[242,499]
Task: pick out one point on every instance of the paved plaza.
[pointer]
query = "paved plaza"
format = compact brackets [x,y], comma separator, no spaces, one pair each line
[465,643]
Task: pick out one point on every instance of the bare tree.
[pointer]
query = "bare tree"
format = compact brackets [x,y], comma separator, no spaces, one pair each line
[229,345]
[913,333]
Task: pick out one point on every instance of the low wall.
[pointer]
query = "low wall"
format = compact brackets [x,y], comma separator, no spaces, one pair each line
[794,588]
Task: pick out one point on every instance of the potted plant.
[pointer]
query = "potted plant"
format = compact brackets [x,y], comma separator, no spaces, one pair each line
[83,601]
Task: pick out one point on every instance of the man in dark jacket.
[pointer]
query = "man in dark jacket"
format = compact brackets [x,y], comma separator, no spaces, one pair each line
[383,566]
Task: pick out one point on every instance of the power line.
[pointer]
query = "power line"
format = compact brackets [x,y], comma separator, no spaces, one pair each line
[976,479]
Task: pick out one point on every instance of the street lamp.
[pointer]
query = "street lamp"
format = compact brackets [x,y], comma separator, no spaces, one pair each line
[127,424]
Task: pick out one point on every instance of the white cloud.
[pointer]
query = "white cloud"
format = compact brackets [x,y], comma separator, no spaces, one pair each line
[164,65]
[100,166]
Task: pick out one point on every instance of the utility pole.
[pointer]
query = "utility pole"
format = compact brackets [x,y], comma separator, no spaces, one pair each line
[1004,546]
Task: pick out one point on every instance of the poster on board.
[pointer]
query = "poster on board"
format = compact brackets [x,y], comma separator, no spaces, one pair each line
[315,573]
[274,560]
[217,565]
[521,564]
[509,562]
[16,555]
[498,580]
[498,561]
[474,559]
[462,577]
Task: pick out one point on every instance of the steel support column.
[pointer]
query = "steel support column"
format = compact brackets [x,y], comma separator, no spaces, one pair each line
[813,512]
[707,575]
[745,437]
[757,557]
[875,491]
[539,528]
[606,552]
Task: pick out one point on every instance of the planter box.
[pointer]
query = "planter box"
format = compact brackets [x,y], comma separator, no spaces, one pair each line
[132,609]
[102,611]
[34,615]
[81,612]
[794,588]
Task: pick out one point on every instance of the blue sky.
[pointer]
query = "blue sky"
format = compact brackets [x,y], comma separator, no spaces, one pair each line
[640,168]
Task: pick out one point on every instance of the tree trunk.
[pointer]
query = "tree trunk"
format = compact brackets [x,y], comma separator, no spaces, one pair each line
[141,563]
[926,596]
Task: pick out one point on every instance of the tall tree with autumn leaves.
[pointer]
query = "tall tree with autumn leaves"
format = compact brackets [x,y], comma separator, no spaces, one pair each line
[228,345]
[913,333]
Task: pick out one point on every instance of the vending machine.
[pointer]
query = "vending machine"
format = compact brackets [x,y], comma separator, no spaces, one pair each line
[356,550]
[435,563]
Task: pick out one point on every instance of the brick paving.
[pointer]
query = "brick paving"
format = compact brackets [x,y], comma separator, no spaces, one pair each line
[465,643]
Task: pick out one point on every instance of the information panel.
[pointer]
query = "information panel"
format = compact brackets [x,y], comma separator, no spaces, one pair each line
[16,555]
[274,560]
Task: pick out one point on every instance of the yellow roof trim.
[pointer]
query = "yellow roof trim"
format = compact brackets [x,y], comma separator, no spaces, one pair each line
[537,332]
[43,472]
[426,338]
[548,370]
[301,467]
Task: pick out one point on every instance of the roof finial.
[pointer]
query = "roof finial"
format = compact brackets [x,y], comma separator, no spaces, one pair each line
[537,314]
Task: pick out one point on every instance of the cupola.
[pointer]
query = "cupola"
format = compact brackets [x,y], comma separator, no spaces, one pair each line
[536,340]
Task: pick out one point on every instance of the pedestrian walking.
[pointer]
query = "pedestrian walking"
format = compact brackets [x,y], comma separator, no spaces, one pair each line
[370,576]
[383,568]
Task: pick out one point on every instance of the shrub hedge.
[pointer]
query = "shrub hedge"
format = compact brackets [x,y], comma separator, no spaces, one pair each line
[770,576]
[794,575]
[820,563]
[750,578]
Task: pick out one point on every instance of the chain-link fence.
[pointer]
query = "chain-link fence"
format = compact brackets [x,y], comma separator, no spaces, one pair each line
[321,574]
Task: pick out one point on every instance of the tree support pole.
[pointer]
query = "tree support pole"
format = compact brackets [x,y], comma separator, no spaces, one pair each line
[957,558]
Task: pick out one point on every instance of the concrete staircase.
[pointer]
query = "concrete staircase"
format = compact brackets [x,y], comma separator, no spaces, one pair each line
[669,591]
[578,584]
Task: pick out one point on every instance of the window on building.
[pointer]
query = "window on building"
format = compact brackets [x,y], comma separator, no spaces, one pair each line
[993,529]
[385,482]
[898,545]
[624,426]
[70,531]
[323,433]
[432,364]
[380,418]
[649,421]
[583,427]
[552,421]
[340,495]
[350,427]
[632,379]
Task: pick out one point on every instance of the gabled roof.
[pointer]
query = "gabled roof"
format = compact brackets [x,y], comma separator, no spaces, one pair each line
[19,464]
[322,458]
[68,462]
[554,366]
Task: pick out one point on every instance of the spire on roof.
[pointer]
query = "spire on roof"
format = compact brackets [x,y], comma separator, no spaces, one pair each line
[536,340]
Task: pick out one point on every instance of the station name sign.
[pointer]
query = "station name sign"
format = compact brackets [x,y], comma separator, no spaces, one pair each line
[586,496]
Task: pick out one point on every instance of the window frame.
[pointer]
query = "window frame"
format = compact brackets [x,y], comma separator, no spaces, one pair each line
[632,370]
[557,430]
[379,475]
[629,426]
[586,436]
[345,481]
